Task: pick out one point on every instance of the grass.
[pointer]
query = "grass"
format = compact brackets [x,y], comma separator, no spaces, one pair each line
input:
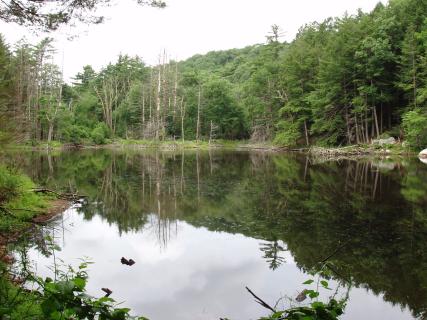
[192,144]
[17,198]
[177,144]
[165,145]
[35,144]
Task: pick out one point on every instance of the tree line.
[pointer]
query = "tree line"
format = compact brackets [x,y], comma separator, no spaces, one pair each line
[345,80]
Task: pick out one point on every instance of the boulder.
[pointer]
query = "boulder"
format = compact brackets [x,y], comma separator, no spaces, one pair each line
[385,141]
[423,154]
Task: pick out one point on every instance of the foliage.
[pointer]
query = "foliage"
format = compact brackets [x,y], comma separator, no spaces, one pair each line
[65,298]
[9,184]
[415,126]
[100,133]
[62,298]
[316,311]
[15,196]
[39,14]
[341,81]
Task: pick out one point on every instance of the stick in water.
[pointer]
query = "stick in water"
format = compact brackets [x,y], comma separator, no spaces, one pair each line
[260,301]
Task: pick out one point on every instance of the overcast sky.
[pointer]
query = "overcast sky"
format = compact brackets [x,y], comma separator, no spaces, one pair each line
[185,28]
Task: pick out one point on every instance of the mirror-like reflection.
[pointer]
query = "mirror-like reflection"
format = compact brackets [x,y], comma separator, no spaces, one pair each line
[205,224]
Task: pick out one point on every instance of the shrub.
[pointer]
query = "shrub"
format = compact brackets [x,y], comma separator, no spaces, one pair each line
[288,134]
[100,133]
[75,134]
[415,126]
[9,184]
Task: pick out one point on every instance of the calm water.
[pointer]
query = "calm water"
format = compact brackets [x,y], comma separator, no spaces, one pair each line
[203,225]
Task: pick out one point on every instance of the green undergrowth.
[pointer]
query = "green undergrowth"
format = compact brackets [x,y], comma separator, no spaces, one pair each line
[15,302]
[388,149]
[179,144]
[18,203]
[35,145]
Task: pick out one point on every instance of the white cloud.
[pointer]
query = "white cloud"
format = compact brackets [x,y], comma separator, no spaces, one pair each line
[186,27]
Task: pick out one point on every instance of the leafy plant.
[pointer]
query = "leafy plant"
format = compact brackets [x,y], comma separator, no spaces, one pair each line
[316,309]
[415,126]
[66,299]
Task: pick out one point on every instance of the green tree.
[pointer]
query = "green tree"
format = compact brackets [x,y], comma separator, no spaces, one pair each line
[221,108]
[50,15]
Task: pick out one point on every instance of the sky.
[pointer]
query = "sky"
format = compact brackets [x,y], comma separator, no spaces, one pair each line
[183,28]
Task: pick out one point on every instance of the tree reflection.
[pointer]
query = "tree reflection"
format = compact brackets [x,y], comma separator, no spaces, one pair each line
[272,252]
[378,207]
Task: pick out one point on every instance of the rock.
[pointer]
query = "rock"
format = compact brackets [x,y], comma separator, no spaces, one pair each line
[386,141]
[127,262]
[423,154]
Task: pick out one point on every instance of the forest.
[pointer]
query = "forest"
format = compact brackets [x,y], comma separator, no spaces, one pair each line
[332,224]
[342,81]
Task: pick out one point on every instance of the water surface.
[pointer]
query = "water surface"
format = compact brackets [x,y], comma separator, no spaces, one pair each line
[203,225]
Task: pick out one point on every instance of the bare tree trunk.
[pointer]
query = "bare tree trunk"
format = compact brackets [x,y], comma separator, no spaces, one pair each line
[306,133]
[366,127]
[159,84]
[182,118]
[210,133]
[165,93]
[151,93]
[198,114]
[362,129]
[357,130]
[175,90]
[376,121]
[143,113]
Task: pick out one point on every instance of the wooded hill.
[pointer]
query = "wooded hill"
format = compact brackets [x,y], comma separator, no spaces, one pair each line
[342,81]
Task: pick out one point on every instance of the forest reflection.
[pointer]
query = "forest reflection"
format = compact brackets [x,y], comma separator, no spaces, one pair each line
[289,202]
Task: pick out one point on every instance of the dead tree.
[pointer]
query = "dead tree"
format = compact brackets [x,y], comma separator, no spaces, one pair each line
[182,118]
[198,113]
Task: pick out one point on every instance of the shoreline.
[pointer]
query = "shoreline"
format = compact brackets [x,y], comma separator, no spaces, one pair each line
[56,207]
[353,151]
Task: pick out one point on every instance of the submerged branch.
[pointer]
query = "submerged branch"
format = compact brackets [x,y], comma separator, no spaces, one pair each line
[260,301]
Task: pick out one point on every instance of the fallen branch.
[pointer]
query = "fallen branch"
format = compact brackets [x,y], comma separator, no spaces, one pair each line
[260,301]
[63,196]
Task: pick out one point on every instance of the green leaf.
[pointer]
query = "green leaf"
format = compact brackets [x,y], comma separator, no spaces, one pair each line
[79,283]
[324,284]
[313,294]
[308,281]
[277,315]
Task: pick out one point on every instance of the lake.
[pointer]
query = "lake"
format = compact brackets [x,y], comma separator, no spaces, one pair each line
[202,225]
